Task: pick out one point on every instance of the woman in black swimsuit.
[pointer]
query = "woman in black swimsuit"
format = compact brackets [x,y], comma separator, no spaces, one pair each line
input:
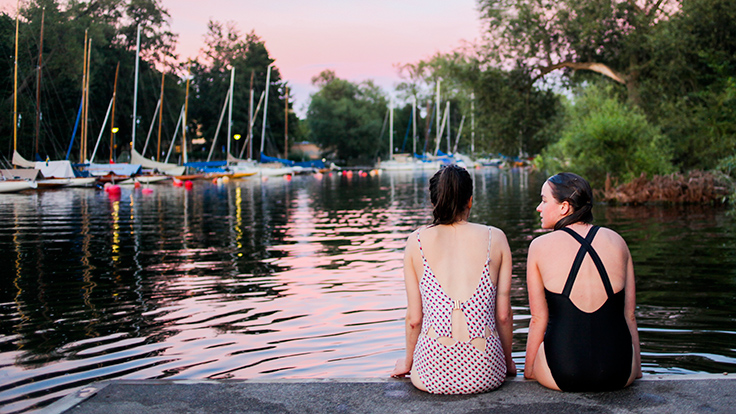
[582,334]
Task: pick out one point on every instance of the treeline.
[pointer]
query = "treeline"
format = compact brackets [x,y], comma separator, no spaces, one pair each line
[111,26]
[601,87]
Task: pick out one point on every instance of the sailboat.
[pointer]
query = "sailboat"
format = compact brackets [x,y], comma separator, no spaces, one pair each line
[52,173]
[168,170]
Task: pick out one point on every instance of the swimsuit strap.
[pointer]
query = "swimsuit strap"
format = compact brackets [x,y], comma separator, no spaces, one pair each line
[420,245]
[488,256]
[586,247]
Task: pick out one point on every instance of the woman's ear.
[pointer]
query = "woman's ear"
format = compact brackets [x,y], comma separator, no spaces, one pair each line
[565,208]
[470,203]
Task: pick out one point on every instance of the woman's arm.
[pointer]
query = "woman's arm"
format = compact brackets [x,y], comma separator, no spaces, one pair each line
[504,314]
[629,311]
[538,309]
[413,308]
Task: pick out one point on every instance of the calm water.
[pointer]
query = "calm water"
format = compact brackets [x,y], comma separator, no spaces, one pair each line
[299,279]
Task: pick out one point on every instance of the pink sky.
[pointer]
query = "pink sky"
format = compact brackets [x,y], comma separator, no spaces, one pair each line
[359,40]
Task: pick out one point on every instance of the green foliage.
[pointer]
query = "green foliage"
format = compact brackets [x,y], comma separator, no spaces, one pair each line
[225,48]
[605,136]
[345,118]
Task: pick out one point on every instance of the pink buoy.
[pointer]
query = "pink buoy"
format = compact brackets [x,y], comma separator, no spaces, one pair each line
[188,185]
[287,177]
[113,189]
[147,191]
[177,182]
[137,184]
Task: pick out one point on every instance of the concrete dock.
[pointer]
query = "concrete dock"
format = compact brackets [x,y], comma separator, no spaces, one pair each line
[708,393]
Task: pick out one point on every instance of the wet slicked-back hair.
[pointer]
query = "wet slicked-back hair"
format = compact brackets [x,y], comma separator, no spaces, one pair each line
[450,190]
[575,190]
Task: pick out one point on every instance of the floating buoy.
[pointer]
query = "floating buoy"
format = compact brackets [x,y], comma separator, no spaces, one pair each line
[264,179]
[215,181]
[106,186]
[147,191]
[318,176]
[137,184]
[188,185]
[113,189]
[287,177]
[177,182]
[225,179]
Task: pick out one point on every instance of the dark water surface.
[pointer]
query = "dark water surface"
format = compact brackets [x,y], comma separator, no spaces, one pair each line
[299,279]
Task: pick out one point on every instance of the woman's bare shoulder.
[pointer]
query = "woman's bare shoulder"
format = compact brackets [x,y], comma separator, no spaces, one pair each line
[612,237]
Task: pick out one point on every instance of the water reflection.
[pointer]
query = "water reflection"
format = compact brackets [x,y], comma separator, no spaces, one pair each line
[300,278]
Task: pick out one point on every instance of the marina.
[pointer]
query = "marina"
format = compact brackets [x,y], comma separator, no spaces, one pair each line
[272,279]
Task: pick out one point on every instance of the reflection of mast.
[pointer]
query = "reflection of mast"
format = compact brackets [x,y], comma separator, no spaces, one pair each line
[89,283]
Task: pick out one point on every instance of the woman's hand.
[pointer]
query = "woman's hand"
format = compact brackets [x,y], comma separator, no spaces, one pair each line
[511,369]
[401,369]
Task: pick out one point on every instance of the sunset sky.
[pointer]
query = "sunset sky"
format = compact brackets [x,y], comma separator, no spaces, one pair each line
[359,40]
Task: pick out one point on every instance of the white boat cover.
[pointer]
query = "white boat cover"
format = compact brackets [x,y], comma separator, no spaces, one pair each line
[31,174]
[166,168]
[49,169]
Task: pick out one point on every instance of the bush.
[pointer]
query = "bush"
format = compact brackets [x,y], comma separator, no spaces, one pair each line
[604,136]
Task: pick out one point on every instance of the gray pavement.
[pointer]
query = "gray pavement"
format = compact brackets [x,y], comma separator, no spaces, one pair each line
[709,393]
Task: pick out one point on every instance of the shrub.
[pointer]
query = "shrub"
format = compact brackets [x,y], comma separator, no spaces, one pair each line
[603,136]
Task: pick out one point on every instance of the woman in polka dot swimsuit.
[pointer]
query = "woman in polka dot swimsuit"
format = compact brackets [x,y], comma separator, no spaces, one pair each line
[458,281]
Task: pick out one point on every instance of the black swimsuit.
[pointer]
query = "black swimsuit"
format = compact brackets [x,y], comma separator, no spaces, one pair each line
[587,351]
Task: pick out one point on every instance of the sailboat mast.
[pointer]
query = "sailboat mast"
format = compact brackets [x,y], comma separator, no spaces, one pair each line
[230,110]
[391,129]
[135,87]
[472,124]
[15,81]
[84,96]
[437,105]
[112,120]
[250,118]
[38,81]
[86,103]
[184,120]
[449,151]
[160,116]
[414,125]
[265,109]
[286,124]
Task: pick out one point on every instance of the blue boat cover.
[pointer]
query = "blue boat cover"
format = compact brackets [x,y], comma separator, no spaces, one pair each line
[117,169]
[318,164]
[206,164]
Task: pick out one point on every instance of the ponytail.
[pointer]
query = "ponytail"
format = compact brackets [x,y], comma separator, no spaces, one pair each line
[450,190]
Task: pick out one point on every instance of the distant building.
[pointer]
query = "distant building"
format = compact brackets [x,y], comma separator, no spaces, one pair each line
[310,151]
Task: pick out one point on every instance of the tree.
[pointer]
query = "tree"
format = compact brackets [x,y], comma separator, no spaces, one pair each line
[346,118]
[604,36]
[603,135]
[225,48]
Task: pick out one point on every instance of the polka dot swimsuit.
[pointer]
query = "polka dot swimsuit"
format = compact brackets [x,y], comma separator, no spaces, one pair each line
[461,368]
